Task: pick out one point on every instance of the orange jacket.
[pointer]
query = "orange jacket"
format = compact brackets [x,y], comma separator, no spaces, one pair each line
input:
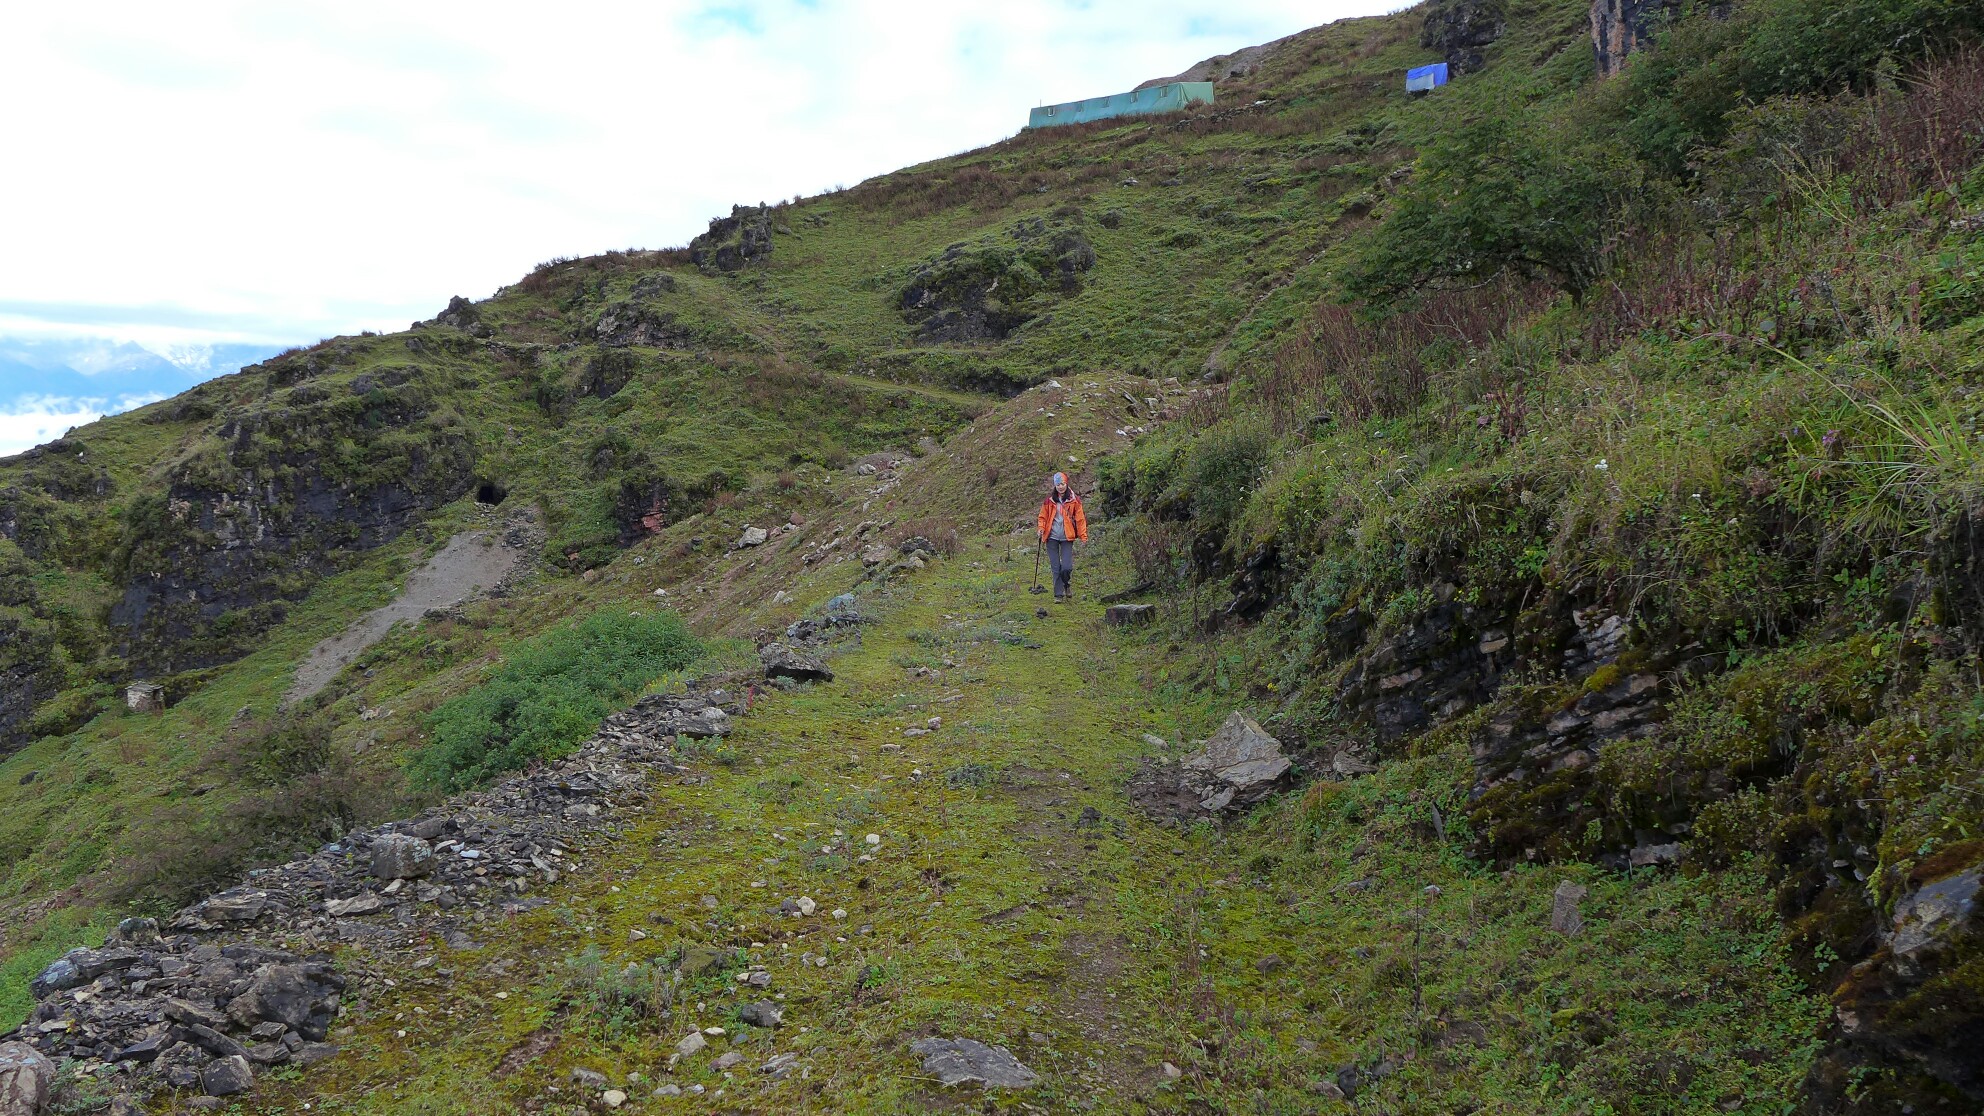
[1077,519]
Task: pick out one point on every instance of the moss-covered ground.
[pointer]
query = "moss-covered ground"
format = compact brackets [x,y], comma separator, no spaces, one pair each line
[1015,896]
[1735,406]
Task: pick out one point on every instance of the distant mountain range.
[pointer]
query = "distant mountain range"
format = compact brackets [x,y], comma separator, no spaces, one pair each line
[96,368]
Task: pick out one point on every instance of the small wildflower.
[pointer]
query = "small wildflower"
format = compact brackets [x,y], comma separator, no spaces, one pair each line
[1601,466]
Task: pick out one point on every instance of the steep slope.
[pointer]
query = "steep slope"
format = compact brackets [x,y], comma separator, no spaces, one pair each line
[200,542]
[1581,478]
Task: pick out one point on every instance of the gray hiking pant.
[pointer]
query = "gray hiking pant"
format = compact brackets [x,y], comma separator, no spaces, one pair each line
[1061,558]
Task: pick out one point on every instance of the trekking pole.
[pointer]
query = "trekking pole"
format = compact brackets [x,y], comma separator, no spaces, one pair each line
[1036,568]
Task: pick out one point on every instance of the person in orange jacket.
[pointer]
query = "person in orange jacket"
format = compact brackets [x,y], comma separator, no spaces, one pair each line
[1062,525]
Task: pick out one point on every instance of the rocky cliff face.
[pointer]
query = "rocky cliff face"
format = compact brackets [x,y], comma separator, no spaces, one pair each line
[59,495]
[734,242]
[1601,740]
[275,505]
[215,568]
[1619,27]
[260,507]
[24,682]
[1462,31]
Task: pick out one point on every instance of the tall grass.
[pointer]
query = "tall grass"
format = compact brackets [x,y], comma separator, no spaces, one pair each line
[1900,465]
[1339,361]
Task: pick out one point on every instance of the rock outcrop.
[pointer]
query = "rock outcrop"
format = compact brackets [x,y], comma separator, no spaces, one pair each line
[735,242]
[1441,663]
[635,322]
[1462,31]
[1534,764]
[1911,1001]
[970,1062]
[462,315]
[254,523]
[1619,27]
[983,292]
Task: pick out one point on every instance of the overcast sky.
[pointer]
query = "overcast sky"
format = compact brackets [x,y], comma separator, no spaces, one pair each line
[196,173]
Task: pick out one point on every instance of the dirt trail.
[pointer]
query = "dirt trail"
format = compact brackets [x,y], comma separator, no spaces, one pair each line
[471,563]
[1008,896]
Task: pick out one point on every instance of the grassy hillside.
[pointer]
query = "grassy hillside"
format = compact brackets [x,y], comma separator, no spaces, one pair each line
[1581,476]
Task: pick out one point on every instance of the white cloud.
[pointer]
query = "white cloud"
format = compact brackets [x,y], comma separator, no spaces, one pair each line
[254,172]
[33,419]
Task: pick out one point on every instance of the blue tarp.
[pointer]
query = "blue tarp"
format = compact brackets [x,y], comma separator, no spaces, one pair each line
[1426,78]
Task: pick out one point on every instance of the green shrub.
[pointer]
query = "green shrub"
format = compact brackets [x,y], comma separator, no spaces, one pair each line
[1226,465]
[1540,190]
[549,696]
[1497,194]
[620,999]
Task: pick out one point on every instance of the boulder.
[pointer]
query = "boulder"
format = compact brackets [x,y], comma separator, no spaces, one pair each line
[970,1062]
[227,1077]
[1125,615]
[697,960]
[761,1013]
[137,931]
[26,1077]
[429,828]
[1654,856]
[1240,765]
[701,726]
[1930,917]
[402,856]
[1565,917]
[194,1014]
[354,907]
[71,970]
[752,536]
[240,904]
[146,1049]
[299,996]
[782,661]
[213,1042]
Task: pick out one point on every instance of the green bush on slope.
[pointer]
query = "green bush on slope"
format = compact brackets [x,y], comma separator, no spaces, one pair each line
[549,696]
[1548,190]
[1754,438]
